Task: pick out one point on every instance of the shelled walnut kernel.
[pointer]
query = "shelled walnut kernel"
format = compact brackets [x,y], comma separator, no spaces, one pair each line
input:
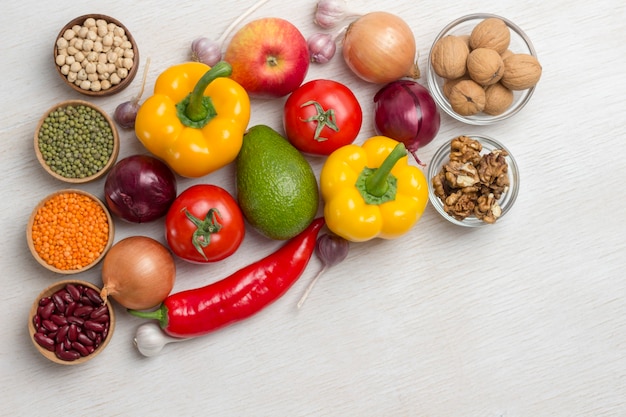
[471,183]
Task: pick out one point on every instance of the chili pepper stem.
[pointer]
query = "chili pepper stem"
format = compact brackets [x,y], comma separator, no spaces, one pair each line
[197,107]
[159,314]
[377,184]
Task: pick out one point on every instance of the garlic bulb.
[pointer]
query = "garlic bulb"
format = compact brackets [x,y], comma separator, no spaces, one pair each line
[150,339]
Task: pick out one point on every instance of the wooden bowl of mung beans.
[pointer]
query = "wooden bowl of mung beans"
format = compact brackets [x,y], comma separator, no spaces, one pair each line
[76,141]
[70,231]
[96,55]
[69,323]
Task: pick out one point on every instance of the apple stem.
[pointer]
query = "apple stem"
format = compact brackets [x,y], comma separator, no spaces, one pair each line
[235,22]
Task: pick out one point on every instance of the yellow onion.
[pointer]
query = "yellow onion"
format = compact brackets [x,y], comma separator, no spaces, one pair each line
[379,47]
[138,272]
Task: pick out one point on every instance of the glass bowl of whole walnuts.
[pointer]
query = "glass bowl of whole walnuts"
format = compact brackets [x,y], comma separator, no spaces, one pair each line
[473,180]
[482,69]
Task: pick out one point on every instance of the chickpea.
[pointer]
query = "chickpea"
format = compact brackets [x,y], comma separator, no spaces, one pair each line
[127,63]
[60,60]
[62,43]
[75,66]
[107,40]
[88,45]
[85,85]
[69,34]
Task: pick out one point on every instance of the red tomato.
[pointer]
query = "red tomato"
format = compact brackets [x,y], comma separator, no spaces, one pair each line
[204,224]
[321,116]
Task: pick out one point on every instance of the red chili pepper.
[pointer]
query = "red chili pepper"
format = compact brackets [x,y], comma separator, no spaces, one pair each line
[200,311]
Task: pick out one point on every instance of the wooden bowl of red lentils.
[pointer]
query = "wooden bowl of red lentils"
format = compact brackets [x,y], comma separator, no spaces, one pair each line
[76,142]
[69,323]
[96,55]
[70,231]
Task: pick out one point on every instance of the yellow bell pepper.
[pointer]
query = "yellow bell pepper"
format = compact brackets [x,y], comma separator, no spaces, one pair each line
[196,118]
[371,191]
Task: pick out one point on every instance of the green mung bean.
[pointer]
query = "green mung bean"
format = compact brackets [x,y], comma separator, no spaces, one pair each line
[76,141]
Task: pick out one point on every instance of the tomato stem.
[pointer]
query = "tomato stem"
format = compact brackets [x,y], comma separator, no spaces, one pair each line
[323,118]
[201,237]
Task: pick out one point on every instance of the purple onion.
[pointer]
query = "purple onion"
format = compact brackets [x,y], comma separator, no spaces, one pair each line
[140,189]
[405,111]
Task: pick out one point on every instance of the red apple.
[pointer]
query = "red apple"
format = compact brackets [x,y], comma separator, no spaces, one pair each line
[269,56]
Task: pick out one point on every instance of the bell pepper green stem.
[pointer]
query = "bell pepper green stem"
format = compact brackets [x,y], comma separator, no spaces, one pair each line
[159,314]
[377,183]
[196,110]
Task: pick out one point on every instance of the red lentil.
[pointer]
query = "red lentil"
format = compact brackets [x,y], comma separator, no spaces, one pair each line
[70,231]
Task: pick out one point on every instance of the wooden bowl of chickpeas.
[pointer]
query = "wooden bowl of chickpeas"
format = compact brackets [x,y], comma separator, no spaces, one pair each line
[96,55]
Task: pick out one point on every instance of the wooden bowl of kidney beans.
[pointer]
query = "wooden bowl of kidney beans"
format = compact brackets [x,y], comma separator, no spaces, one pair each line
[69,323]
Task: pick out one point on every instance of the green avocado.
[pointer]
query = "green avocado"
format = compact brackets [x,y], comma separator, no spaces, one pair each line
[276,187]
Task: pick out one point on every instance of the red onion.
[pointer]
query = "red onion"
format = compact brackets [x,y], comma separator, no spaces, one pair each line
[140,189]
[405,111]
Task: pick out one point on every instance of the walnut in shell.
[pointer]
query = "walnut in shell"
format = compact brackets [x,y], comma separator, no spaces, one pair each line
[448,84]
[498,99]
[485,66]
[467,98]
[449,56]
[521,71]
[491,33]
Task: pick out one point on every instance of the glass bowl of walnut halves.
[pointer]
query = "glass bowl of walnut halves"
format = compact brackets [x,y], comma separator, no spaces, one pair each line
[473,180]
[482,69]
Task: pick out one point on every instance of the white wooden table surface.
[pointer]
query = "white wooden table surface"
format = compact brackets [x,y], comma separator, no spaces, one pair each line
[527,318]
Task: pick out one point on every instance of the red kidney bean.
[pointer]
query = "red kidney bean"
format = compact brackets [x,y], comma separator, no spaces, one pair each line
[58,301]
[92,325]
[101,319]
[69,311]
[99,311]
[76,320]
[84,339]
[58,320]
[46,310]
[37,322]
[83,311]
[49,325]
[72,333]
[90,334]
[73,291]
[66,295]
[94,296]
[62,334]
[66,355]
[80,348]
[45,301]
[44,341]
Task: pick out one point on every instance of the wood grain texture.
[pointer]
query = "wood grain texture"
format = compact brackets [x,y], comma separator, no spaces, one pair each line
[527,318]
